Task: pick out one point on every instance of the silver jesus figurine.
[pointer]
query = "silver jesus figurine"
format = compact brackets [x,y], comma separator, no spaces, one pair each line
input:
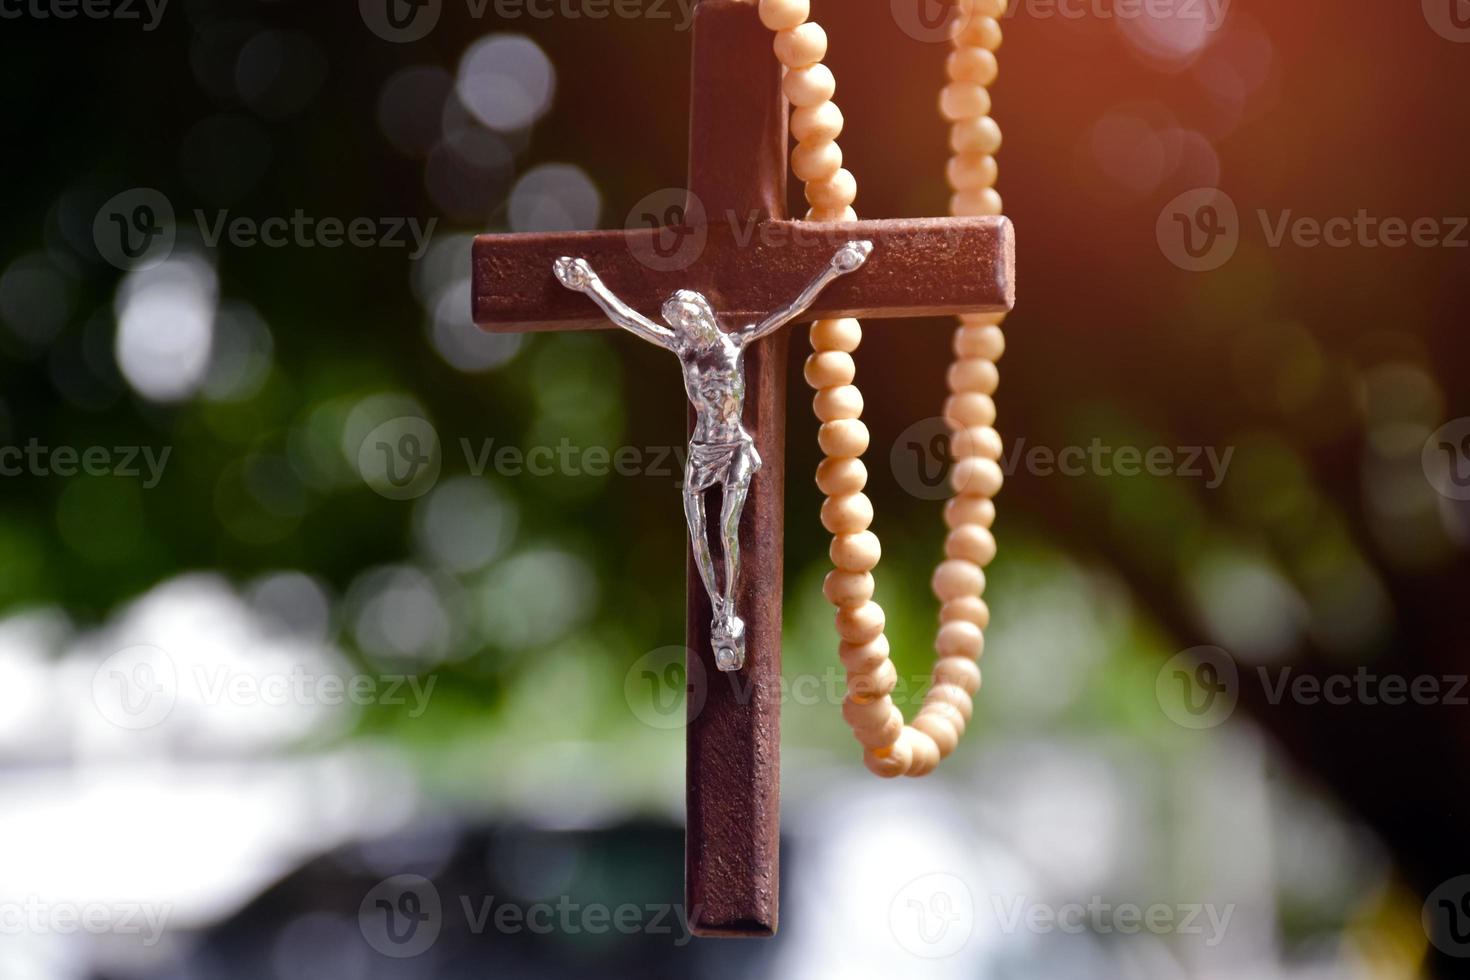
[721,452]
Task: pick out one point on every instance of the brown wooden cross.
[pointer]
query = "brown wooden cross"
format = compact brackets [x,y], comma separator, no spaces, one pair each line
[752,261]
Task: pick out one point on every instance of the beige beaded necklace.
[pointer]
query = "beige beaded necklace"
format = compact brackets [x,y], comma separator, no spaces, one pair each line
[891,748]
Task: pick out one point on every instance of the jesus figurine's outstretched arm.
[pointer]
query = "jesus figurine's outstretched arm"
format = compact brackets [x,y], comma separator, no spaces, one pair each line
[577,274]
[849,258]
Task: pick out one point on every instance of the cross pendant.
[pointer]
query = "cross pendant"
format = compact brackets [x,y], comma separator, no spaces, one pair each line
[735,247]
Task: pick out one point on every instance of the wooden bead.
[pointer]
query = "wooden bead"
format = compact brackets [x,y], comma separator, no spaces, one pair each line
[802,45]
[969,510]
[977,32]
[987,341]
[878,683]
[974,374]
[780,15]
[811,85]
[955,578]
[970,608]
[844,335]
[960,638]
[971,64]
[841,475]
[847,588]
[827,369]
[976,203]
[976,136]
[938,728]
[861,624]
[977,440]
[954,696]
[882,736]
[890,762]
[947,711]
[963,100]
[962,672]
[836,191]
[969,408]
[845,437]
[856,552]
[972,543]
[816,160]
[862,716]
[831,214]
[976,476]
[926,753]
[862,658]
[816,123]
[840,402]
[971,171]
[847,514]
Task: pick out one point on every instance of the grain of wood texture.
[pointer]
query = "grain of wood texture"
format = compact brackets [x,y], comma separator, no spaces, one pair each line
[919,267]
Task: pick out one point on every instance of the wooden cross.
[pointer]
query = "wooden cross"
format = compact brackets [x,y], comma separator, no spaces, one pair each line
[752,261]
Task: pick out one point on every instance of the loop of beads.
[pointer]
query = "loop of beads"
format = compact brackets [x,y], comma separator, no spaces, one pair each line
[891,748]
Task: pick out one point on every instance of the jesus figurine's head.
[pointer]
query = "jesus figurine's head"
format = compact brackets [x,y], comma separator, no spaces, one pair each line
[690,315]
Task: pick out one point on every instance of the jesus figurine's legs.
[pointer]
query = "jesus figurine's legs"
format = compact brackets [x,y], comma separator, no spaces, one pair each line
[728,633]
[699,541]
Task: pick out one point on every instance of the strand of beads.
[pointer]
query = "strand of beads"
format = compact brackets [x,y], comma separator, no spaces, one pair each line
[892,748]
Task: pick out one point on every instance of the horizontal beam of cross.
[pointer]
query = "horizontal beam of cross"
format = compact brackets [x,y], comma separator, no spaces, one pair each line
[919,267]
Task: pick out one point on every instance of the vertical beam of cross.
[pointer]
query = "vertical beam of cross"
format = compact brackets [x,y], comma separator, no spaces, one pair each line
[737,171]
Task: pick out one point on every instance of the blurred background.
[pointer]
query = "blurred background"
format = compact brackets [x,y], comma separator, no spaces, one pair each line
[335,641]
